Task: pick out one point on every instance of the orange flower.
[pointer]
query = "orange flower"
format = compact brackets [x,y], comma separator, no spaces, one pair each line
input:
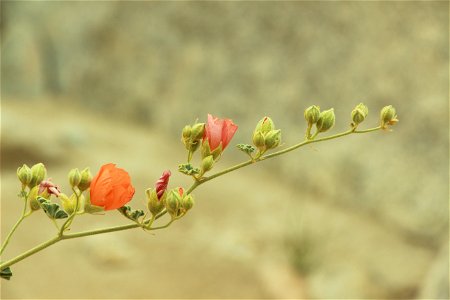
[111,188]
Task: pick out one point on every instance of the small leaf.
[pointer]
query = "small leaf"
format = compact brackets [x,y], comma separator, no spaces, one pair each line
[188,169]
[52,210]
[249,149]
[6,273]
[133,215]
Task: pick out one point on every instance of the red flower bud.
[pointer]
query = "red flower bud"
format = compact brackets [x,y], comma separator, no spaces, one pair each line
[219,131]
[161,184]
[111,188]
[49,187]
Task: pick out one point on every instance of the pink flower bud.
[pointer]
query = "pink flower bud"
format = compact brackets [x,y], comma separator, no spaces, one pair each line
[161,184]
[219,132]
[49,187]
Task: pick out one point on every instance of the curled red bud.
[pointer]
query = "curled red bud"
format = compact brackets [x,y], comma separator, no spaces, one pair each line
[161,184]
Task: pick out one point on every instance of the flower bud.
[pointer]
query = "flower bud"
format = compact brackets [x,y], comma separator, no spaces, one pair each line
[155,205]
[326,120]
[359,113]
[173,202]
[388,116]
[86,178]
[258,139]
[265,125]
[312,114]
[38,173]
[47,188]
[198,130]
[186,133]
[273,139]
[32,198]
[24,174]
[207,163]
[74,177]
[69,204]
[187,202]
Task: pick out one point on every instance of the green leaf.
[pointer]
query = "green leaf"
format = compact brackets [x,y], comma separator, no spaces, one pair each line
[6,273]
[53,210]
[188,169]
[133,215]
[249,149]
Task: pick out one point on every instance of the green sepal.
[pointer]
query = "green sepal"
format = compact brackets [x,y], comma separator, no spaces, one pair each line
[188,169]
[53,210]
[249,149]
[133,215]
[6,273]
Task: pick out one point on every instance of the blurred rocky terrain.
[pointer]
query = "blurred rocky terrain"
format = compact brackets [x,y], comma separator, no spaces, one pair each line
[360,217]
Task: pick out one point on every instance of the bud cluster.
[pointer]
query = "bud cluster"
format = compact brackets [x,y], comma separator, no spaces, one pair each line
[265,136]
[40,191]
[175,201]
[324,120]
[213,137]
[191,137]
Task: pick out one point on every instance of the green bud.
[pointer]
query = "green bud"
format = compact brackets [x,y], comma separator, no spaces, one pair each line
[32,198]
[187,202]
[364,109]
[155,205]
[186,133]
[273,139]
[38,173]
[388,116]
[173,202]
[207,163]
[198,130]
[69,204]
[258,139]
[326,120]
[86,178]
[265,125]
[359,114]
[74,177]
[312,114]
[24,174]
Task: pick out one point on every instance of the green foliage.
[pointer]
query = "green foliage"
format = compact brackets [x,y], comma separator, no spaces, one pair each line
[131,214]
[53,210]
[6,273]
[188,169]
[249,149]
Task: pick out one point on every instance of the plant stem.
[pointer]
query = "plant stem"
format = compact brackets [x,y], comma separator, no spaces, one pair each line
[22,217]
[30,252]
[73,236]
[289,149]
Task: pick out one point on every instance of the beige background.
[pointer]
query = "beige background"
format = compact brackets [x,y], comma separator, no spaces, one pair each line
[86,83]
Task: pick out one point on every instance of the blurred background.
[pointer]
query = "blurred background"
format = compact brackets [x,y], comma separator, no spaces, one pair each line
[86,83]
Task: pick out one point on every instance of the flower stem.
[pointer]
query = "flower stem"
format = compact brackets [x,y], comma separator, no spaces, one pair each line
[289,149]
[73,236]
[22,217]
